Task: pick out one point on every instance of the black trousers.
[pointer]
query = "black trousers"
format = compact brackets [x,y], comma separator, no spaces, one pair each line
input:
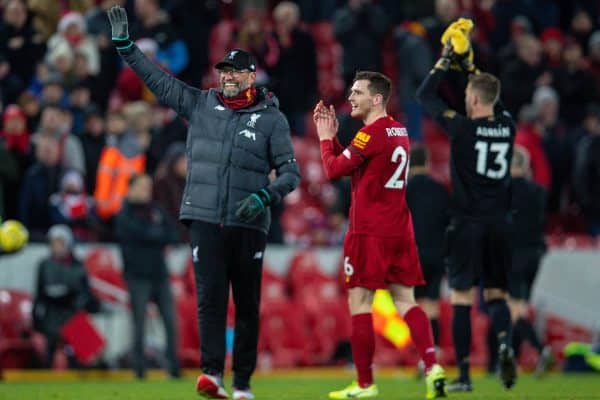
[141,291]
[225,256]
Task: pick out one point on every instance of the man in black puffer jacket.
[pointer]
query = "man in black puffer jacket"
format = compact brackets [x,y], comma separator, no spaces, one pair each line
[236,137]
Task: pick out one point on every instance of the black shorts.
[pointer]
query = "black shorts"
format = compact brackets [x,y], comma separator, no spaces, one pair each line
[478,251]
[525,263]
[433,272]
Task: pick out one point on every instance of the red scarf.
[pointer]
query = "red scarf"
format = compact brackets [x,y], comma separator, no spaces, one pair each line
[19,143]
[242,100]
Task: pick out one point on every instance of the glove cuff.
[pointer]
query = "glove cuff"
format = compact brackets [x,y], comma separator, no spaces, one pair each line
[443,64]
[122,43]
[264,196]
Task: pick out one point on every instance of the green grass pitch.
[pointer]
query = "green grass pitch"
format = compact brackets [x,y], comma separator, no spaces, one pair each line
[302,386]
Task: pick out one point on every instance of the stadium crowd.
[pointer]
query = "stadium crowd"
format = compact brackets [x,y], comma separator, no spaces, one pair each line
[77,124]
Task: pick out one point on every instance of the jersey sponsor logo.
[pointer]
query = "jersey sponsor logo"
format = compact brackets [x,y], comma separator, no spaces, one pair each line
[253,119]
[248,134]
[396,131]
[361,139]
[497,132]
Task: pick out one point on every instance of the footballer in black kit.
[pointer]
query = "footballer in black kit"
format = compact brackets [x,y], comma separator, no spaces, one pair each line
[478,238]
[429,204]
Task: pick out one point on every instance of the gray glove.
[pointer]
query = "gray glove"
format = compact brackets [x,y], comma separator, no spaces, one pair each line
[118,23]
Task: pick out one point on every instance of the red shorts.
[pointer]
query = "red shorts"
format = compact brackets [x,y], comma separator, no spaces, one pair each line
[374,262]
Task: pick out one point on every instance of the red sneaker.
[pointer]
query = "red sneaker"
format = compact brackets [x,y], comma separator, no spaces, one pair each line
[211,387]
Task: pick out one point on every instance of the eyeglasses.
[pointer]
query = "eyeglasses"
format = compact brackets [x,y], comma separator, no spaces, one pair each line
[233,72]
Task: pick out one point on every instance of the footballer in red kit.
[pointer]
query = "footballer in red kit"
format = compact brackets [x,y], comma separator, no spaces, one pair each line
[379,247]
[380,251]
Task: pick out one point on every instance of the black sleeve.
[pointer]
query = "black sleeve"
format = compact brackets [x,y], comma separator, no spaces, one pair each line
[427,96]
[283,160]
[174,93]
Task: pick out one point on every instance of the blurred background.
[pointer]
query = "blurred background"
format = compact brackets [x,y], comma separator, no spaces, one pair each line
[76,124]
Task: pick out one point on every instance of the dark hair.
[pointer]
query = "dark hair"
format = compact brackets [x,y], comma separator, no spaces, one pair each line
[418,157]
[378,83]
[487,86]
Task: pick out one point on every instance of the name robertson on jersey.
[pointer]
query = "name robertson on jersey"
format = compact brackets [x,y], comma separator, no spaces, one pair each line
[498,132]
[395,131]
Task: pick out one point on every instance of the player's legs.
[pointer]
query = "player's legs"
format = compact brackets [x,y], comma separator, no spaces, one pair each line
[463,243]
[461,301]
[496,268]
[364,271]
[212,289]
[360,301]
[420,331]
[428,295]
[245,275]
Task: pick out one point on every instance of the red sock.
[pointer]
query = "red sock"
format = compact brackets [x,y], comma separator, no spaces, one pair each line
[420,331]
[363,347]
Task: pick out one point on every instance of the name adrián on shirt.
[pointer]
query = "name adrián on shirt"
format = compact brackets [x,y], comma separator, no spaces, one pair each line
[396,131]
[498,132]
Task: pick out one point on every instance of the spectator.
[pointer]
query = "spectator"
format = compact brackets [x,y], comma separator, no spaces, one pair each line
[10,84]
[129,86]
[93,141]
[414,61]
[582,25]
[254,37]
[294,76]
[53,92]
[574,83]
[520,26]
[360,27]
[586,173]
[556,145]
[196,19]
[19,41]
[9,173]
[16,143]
[553,41]
[98,27]
[530,136]
[140,122]
[72,206]
[594,59]
[79,100]
[446,11]
[62,290]
[144,230]
[521,76]
[57,122]
[169,183]
[40,181]
[47,13]
[121,158]
[155,23]
[72,37]
[31,108]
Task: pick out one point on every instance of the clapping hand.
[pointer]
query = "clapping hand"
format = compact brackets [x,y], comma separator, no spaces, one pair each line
[325,121]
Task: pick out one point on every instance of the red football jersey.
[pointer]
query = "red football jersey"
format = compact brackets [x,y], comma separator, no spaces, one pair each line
[378,161]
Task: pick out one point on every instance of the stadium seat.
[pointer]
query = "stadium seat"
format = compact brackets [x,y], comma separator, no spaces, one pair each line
[17,347]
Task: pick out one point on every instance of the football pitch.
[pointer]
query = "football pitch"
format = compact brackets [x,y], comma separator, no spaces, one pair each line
[300,385]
